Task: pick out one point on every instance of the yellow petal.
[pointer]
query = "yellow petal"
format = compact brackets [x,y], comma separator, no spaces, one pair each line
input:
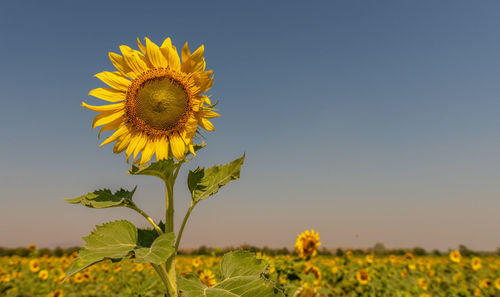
[194,62]
[120,65]
[133,59]
[107,94]
[177,146]
[104,108]
[110,126]
[189,130]
[170,53]
[140,146]
[206,124]
[161,148]
[141,46]
[185,53]
[147,153]
[107,117]
[155,55]
[114,80]
[121,143]
[209,114]
[131,147]
[122,130]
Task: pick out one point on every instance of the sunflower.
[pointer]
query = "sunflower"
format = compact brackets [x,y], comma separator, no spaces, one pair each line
[485,283]
[43,274]
[475,264]
[422,283]
[497,283]
[307,244]
[156,102]
[310,268]
[362,276]
[56,293]
[34,265]
[207,277]
[455,256]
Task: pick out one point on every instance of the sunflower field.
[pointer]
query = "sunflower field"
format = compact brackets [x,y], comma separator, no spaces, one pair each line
[298,275]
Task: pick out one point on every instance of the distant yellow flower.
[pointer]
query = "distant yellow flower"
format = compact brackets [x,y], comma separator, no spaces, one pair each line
[34,265]
[307,244]
[348,254]
[497,283]
[306,290]
[43,274]
[139,267]
[475,263]
[477,292]
[197,262]
[78,278]
[4,278]
[457,277]
[431,273]
[485,283]
[208,278]
[409,256]
[56,293]
[422,283]
[156,101]
[392,259]
[310,268]
[369,258]
[32,247]
[425,295]
[362,276]
[455,256]
[335,269]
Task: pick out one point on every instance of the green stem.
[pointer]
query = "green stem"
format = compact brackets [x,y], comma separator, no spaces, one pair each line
[148,218]
[161,274]
[169,205]
[186,217]
[171,276]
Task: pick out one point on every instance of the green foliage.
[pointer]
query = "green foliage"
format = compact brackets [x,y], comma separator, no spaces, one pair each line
[161,248]
[203,183]
[162,169]
[105,198]
[242,276]
[121,240]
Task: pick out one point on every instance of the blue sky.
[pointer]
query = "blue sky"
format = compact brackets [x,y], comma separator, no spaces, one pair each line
[369,121]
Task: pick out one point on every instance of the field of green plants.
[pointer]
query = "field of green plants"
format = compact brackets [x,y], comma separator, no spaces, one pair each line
[347,275]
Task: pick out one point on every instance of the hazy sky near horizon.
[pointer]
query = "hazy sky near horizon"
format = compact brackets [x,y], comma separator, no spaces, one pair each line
[369,121]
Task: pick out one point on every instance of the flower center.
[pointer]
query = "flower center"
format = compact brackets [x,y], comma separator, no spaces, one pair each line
[158,102]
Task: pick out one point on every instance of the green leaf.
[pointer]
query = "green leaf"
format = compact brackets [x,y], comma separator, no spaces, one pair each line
[121,240]
[241,263]
[203,183]
[105,198]
[161,249]
[241,277]
[162,169]
[114,240]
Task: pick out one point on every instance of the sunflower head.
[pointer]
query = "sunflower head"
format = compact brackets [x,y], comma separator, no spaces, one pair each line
[475,264]
[362,276]
[156,101]
[307,244]
[207,277]
[34,265]
[455,256]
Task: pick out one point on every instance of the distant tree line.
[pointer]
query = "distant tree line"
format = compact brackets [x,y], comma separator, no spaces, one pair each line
[377,249]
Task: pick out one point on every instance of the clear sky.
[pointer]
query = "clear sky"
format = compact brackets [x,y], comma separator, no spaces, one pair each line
[369,121]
